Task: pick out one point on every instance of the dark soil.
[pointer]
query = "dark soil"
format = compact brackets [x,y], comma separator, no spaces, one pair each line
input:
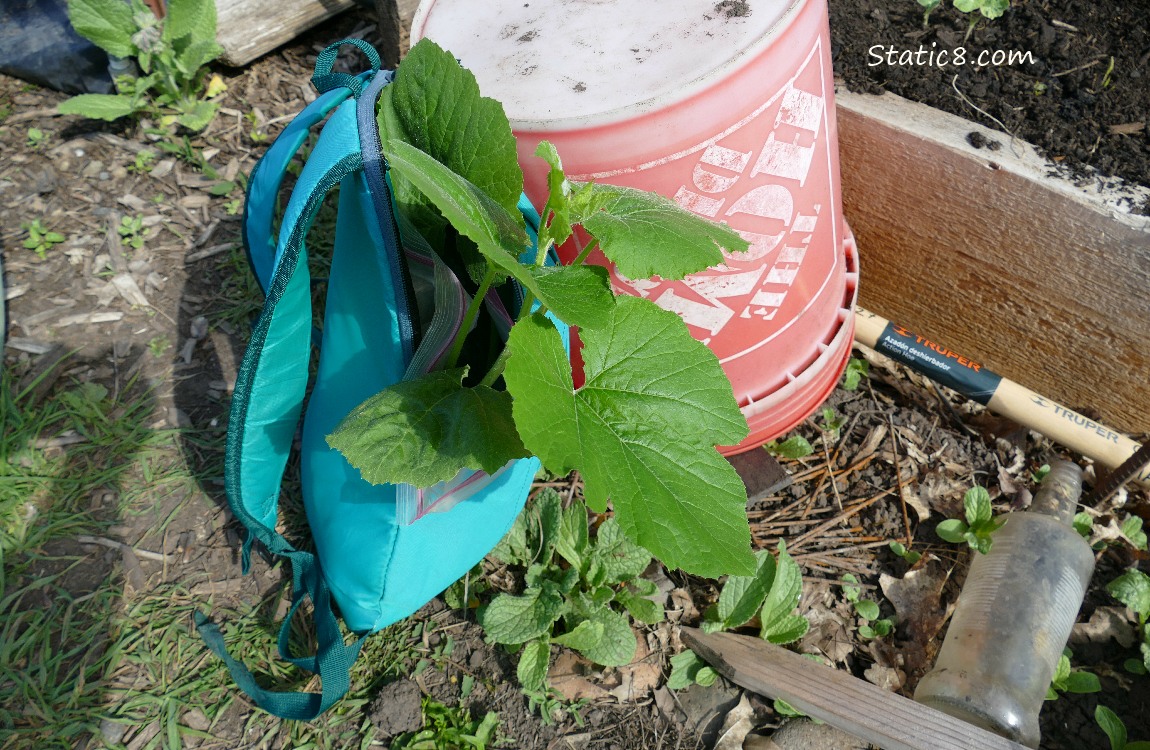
[1083,96]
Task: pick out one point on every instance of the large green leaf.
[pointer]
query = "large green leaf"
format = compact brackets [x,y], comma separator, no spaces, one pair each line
[579,296]
[617,646]
[532,668]
[642,431]
[518,619]
[107,24]
[645,234]
[98,106]
[435,105]
[195,19]
[424,431]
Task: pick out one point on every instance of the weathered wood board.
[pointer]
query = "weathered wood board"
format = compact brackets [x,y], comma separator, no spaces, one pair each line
[1045,282]
[249,28]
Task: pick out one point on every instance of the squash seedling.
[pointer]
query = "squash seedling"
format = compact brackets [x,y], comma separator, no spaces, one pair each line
[988,9]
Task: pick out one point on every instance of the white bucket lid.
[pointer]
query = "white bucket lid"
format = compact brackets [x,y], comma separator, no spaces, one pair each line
[574,63]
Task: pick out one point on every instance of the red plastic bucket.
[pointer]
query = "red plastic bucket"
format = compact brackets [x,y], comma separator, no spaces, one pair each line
[727,110]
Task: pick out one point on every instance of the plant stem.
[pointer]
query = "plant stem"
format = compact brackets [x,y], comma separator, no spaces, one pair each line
[594,243]
[496,368]
[469,317]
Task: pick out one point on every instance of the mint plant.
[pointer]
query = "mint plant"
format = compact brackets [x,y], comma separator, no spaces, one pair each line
[688,669]
[772,592]
[795,446]
[642,430]
[1067,680]
[900,549]
[868,611]
[857,369]
[1115,730]
[171,55]
[979,525]
[131,231]
[1132,588]
[579,590]
[40,239]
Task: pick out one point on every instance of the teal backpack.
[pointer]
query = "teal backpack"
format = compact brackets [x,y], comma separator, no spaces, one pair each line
[382,551]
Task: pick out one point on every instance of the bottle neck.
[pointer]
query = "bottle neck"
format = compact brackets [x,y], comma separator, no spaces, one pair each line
[1059,492]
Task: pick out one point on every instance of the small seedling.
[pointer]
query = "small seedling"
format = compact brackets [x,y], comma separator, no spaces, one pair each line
[1106,80]
[234,206]
[132,231]
[40,238]
[1115,729]
[857,369]
[1132,588]
[36,138]
[832,422]
[254,131]
[143,163]
[1067,680]
[867,610]
[688,669]
[1132,530]
[1083,523]
[928,8]
[157,345]
[980,522]
[552,706]
[448,728]
[772,593]
[900,549]
[795,446]
[1040,473]
[988,9]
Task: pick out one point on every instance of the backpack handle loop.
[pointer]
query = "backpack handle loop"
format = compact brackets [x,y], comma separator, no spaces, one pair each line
[325,80]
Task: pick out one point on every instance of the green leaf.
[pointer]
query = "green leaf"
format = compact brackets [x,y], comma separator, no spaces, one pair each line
[867,609]
[1132,588]
[951,530]
[98,106]
[621,558]
[1112,726]
[585,635]
[782,708]
[557,212]
[196,56]
[1082,682]
[572,542]
[641,431]
[706,676]
[684,667]
[856,368]
[512,548]
[645,234]
[518,619]
[641,608]
[435,105]
[795,446]
[532,667]
[198,116]
[194,18]
[107,24]
[779,626]
[787,630]
[742,596]
[549,510]
[966,6]
[1132,530]
[976,502]
[993,8]
[851,593]
[1062,671]
[424,431]
[578,296]
[1084,524]
[617,646]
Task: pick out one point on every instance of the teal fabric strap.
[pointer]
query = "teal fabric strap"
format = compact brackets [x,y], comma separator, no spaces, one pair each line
[325,80]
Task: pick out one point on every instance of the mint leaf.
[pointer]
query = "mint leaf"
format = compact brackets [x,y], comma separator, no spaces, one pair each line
[98,106]
[577,296]
[585,635]
[107,24]
[617,646]
[572,542]
[1132,588]
[640,607]
[645,234]
[867,609]
[197,55]
[621,558]
[706,676]
[639,430]
[198,116]
[1112,726]
[779,625]
[795,446]
[518,619]
[976,502]
[1082,682]
[532,667]
[512,548]
[742,596]
[424,431]
[684,667]
[196,18]
[435,105]
[951,530]
[549,507]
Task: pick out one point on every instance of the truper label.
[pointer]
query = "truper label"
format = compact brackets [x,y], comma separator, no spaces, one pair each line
[939,363]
